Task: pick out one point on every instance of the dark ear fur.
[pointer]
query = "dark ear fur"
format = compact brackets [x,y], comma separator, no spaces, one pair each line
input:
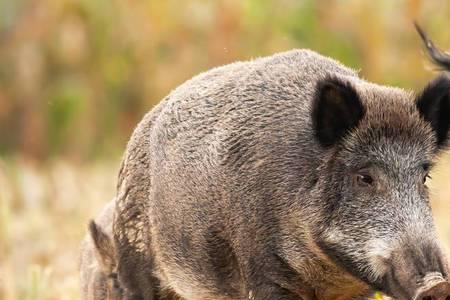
[337,109]
[104,249]
[434,106]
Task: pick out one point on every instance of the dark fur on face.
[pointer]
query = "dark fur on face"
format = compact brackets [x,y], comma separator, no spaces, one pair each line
[383,163]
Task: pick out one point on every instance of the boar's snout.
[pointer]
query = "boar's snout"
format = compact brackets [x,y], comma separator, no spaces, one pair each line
[418,273]
[433,288]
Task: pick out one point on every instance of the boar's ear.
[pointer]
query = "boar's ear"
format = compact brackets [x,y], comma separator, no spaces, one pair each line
[434,106]
[104,250]
[337,109]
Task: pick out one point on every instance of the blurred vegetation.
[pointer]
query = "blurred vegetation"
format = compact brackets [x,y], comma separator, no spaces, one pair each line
[76,76]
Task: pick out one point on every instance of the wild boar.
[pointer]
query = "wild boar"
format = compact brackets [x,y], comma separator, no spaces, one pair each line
[284,177]
[98,262]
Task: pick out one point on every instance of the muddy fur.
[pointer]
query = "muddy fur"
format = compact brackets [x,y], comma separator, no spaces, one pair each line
[285,177]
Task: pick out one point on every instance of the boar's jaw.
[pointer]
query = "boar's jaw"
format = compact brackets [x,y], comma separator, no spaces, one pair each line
[413,273]
[346,262]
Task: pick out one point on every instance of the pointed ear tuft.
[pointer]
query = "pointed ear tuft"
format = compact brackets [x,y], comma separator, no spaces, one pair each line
[104,249]
[336,110]
[434,106]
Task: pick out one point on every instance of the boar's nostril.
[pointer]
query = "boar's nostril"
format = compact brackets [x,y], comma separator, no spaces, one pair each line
[435,291]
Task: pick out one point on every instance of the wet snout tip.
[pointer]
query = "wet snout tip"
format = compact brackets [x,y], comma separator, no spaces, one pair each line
[434,290]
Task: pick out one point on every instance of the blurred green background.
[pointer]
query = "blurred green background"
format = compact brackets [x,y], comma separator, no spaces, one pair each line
[76,76]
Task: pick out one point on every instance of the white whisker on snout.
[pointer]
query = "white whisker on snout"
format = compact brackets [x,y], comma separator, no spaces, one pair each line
[378,253]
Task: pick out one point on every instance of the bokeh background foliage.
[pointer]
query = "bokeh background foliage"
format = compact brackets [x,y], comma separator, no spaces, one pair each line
[77,75]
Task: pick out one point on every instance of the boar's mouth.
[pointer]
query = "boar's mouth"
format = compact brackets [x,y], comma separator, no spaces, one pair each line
[430,287]
[345,261]
[412,285]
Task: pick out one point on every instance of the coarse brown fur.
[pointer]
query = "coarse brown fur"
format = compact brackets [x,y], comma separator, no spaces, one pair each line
[244,184]
[98,263]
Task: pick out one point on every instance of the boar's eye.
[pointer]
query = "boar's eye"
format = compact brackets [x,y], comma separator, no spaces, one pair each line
[425,178]
[426,168]
[364,180]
